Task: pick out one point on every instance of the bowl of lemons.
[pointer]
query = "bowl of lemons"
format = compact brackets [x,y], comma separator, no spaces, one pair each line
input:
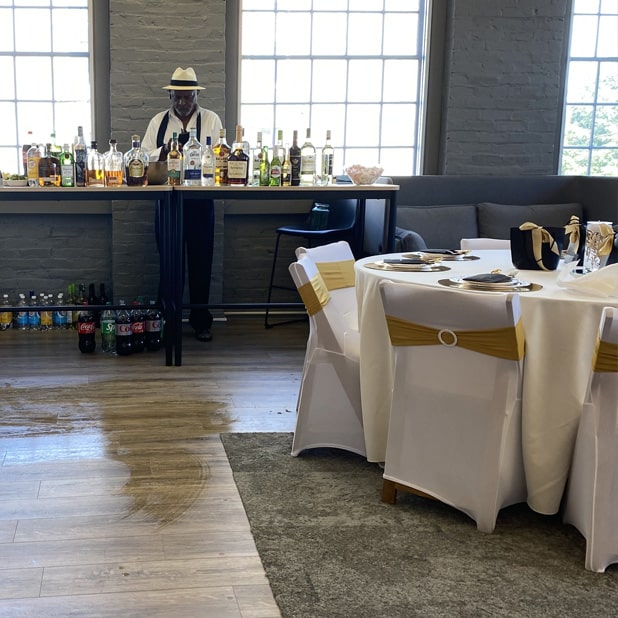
[14,180]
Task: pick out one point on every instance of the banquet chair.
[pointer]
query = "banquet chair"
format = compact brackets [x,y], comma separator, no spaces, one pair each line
[455,421]
[329,406]
[485,243]
[592,488]
[342,216]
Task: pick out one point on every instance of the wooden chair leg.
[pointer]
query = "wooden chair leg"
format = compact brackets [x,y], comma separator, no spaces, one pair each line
[389,491]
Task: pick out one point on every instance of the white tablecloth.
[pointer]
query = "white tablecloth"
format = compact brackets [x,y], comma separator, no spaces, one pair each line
[561,328]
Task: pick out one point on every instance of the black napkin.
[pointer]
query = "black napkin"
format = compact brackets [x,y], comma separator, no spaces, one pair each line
[489,278]
[442,251]
[404,261]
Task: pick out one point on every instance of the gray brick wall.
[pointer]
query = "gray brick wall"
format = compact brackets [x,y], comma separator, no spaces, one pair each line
[504,78]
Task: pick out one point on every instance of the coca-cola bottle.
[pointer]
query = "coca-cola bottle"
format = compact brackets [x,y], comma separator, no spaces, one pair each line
[138,326]
[153,328]
[86,330]
[124,333]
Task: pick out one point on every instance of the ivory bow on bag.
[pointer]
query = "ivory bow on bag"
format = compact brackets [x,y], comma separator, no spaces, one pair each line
[534,247]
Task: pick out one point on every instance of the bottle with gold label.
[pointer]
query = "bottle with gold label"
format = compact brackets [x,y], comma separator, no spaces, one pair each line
[222,152]
[174,163]
[49,169]
[136,164]
[95,170]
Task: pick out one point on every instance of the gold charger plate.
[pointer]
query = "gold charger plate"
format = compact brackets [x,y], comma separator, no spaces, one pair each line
[519,286]
[409,268]
[458,257]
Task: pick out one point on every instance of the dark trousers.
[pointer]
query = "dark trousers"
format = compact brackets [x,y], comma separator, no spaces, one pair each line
[199,232]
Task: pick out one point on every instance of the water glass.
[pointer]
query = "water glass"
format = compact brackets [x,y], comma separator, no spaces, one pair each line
[598,234]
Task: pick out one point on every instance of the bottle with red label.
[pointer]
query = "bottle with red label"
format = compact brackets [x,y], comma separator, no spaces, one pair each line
[153,328]
[124,332]
[138,326]
[86,330]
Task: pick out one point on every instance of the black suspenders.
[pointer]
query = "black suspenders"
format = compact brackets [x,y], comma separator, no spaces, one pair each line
[163,129]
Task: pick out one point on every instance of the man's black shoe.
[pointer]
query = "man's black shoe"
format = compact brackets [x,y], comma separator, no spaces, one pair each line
[203,335]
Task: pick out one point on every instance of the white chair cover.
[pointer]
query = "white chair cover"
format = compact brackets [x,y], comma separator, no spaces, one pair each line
[592,489]
[329,405]
[455,421]
[484,243]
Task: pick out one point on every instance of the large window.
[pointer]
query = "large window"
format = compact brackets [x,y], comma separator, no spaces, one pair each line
[356,67]
[590,132]
[44,64]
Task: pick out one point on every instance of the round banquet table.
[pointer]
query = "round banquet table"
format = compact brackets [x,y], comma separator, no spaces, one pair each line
[561,328]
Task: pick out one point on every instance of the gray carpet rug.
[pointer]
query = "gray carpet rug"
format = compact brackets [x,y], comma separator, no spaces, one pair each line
[332,549]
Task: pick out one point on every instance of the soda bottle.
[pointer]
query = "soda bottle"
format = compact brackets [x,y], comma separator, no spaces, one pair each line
[34,317]
[123,330]
[60,318]
[47,314]
[86,330]
[6,317]
[21,317]
[138,326]
[153,328]
[108,329]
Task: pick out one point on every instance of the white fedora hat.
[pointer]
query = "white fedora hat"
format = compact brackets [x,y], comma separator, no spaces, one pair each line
[183,79]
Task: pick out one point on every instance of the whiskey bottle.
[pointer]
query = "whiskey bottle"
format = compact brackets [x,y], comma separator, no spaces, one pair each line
[80,156]
[34,156]
[174,163]
[238,161]
[136,164]
[49,169]
[307,162]
[192,154]
[67,168]
[208,164]
[95,169]
[222,152]
[114,163]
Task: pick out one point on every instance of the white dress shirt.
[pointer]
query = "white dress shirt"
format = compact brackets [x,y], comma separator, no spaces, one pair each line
[209,121]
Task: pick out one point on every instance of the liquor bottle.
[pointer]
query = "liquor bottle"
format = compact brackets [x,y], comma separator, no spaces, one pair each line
[277,161]
[307,162]
[24,151]
[326,165]
[103,299]
[295,160]
[238,162]
[246,147]
[35,154]
[286,169]
[264,167]
[67,167]
[222,152]
[256,159]
[208,164]
[49,169]
[192,153]
[55,146]
[113,163]
[80,156]
[95,168]
[174,163]
[136,164]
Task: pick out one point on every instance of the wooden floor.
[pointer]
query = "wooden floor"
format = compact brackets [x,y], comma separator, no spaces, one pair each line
[116,498]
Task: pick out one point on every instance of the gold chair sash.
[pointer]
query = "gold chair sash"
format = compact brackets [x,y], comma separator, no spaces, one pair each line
[314,294]
[507,343]
[539,236]
[607,239]
[605,358]
[337,275]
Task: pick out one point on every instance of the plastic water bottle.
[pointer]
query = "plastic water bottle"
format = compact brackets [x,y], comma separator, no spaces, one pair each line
[21,316]
[108,330]
[6,317]
[34,316]
[153,328]
[47,314]
[60,318]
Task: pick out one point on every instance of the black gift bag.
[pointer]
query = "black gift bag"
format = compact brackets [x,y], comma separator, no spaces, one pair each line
[536,248]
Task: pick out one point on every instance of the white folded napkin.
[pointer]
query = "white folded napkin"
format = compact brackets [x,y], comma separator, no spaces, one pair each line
[602,282]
